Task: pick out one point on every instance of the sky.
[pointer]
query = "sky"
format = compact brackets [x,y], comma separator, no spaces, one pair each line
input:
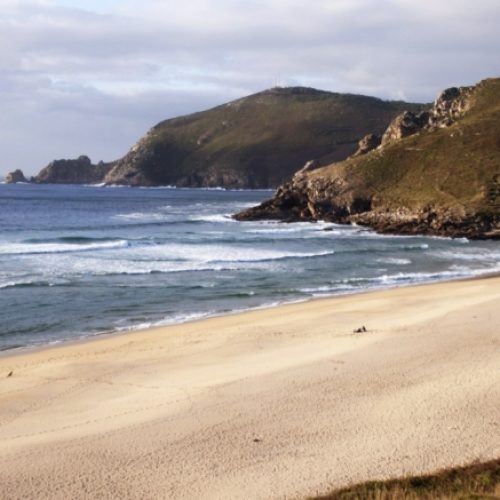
[92,76]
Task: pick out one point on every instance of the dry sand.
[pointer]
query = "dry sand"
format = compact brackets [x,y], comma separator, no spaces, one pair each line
[278,403]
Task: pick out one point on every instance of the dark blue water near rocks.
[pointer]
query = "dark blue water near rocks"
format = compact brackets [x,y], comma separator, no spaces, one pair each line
[77,261]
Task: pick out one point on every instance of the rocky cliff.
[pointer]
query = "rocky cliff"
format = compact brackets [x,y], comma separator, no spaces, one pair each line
[15,177]
[254,142]
[76,171]
[435,172]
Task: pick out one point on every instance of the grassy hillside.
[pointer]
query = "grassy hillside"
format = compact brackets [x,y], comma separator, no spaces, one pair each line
[479,481]
[457,167]
[444,179]
[257,141]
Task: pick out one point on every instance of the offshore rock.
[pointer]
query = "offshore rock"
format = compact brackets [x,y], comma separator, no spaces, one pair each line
[76,171]
[15,176]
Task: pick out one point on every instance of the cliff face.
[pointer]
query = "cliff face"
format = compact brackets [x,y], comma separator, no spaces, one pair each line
[436,172]
[15,176]
[77,171]
[254,142]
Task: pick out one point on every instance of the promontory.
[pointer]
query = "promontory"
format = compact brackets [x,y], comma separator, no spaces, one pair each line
[435,172]
[257,141]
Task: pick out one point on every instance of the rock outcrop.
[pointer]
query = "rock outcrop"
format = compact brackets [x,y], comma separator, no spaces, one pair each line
[15,176]
[436,172]
[368,143]
[405,125]
[449,107]
[76,171]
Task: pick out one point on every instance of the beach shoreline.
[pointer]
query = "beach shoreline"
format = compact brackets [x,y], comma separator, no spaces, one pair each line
[23,349]
[270,403]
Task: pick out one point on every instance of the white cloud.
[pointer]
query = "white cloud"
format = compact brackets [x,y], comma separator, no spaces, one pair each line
[88,76]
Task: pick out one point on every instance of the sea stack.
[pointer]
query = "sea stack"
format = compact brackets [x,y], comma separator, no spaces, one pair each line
[74,171]
[15,177]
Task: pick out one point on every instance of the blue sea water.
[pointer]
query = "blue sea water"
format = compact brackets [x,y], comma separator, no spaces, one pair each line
[82,260]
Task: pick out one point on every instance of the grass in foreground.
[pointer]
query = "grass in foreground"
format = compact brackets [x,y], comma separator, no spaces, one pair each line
[477,481]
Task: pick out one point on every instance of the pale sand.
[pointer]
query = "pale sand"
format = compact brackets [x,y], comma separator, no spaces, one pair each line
[173,412]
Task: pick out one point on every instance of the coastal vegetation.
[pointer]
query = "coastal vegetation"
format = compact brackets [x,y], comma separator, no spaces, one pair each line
[476,481]
[255,142]
[258,141]
[436,173]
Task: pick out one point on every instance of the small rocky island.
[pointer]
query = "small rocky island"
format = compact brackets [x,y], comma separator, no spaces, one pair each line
[66,171]
[78,171]
[15,177]
[433,172]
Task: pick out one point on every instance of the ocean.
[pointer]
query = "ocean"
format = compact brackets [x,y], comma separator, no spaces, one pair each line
[77,261]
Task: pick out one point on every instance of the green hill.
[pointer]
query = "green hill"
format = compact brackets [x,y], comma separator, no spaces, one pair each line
[255,142]
[436,173]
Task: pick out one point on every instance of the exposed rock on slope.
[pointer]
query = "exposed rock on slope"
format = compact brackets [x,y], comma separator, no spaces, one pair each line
[436,173]
[255,142]
[367,144]
[15,176]
[405,125]
[77,171]
[449,107]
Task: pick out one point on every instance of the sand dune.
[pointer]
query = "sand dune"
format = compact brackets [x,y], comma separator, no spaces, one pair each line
[277,403]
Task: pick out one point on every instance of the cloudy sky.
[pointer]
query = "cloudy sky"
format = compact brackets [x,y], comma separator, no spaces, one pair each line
[91,76]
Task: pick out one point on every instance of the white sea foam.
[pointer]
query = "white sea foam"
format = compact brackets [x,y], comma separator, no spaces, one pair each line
[169,320]
[168,258]
[275,230]
[309,232]
[194,316]
[143,216]
[172,187]
[394,261]
[24,282]
[327,289]
[461,269]
[418,246]
[220,253]
[356,284]
[48,248]
[392,279]
[472,255]
[12,284]
[212,218]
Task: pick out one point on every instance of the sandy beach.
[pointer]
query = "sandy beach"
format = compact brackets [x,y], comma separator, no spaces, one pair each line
[278,403]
